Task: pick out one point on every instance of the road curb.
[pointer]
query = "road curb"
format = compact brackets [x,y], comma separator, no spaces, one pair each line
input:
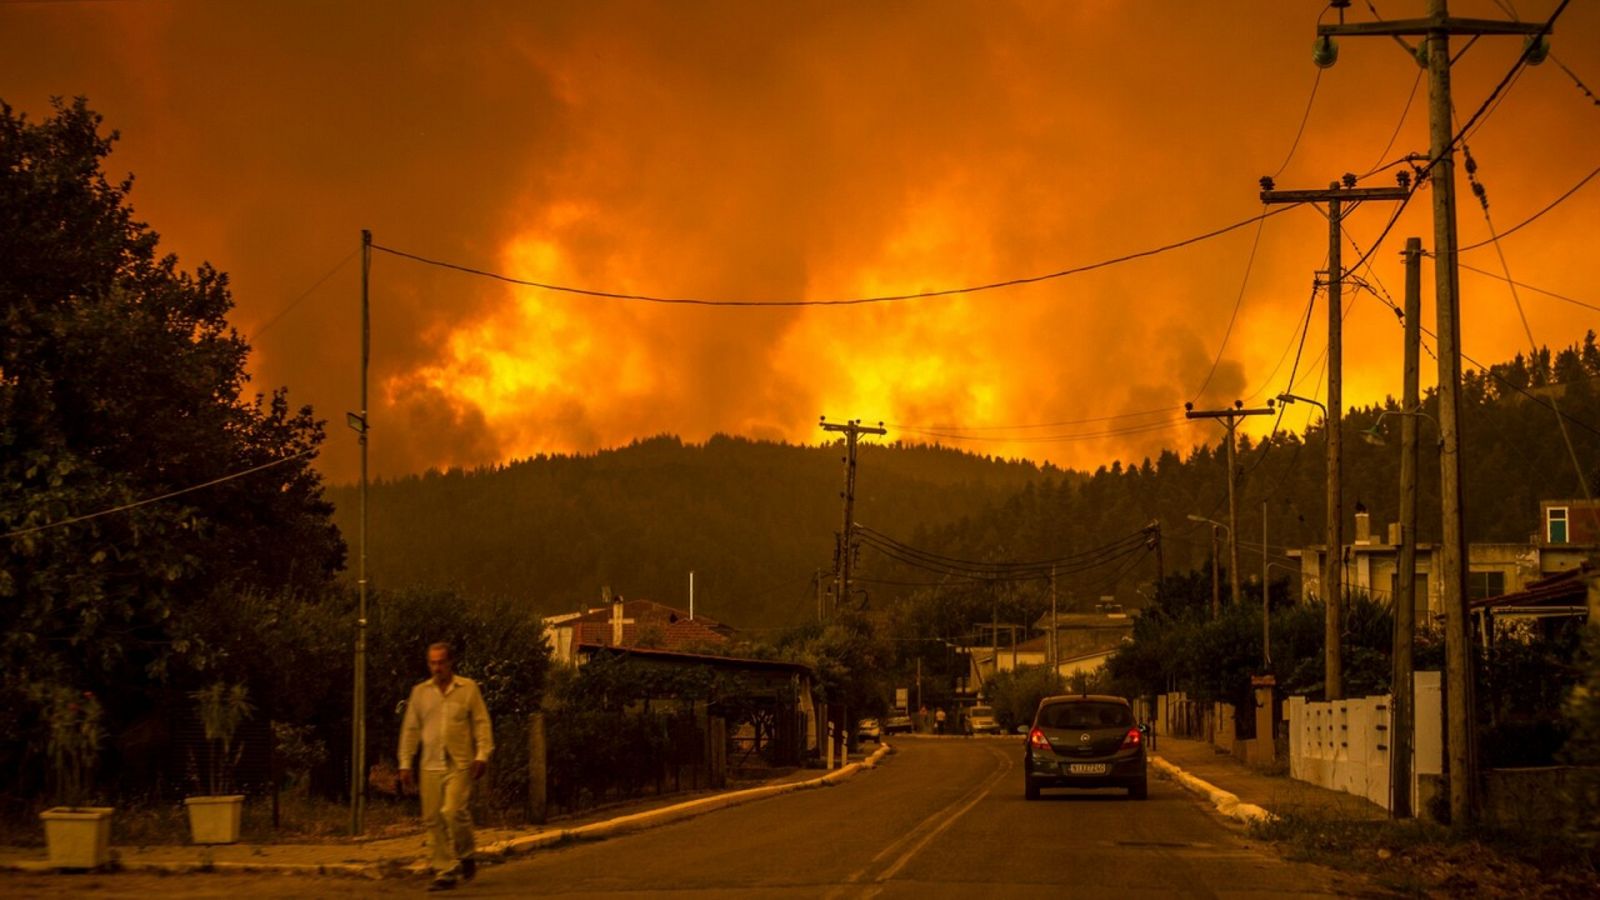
[411,866]
[1226,803]
[675,813]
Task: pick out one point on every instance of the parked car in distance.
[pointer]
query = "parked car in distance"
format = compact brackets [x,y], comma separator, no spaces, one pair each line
[868,729]
[981,720]
[897,725]
[1084,741]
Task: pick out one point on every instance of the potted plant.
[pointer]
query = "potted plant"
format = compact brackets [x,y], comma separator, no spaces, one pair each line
[77,836]
[214,817]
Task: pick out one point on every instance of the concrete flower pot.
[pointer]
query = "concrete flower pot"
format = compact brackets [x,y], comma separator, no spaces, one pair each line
[215,820]
[78,837]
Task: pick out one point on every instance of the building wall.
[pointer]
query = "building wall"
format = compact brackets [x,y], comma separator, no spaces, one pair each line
[1371,567]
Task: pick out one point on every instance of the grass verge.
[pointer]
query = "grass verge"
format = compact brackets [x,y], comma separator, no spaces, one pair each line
[1420,859]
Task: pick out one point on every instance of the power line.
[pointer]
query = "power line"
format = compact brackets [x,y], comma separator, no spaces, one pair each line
[1511,11]
[972,571]
[1049,438]
[847,301]
[1304,118]
[272,320]
[1576,80]
[1529,220]
[1238,302]
[167,496]
[1019,427]
[1528,287]
[1522,314]
[1380,165]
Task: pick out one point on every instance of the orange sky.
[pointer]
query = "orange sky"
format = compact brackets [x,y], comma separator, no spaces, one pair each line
[803,151]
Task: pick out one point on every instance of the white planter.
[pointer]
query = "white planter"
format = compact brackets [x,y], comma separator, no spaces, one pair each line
[78,837]
[215,820]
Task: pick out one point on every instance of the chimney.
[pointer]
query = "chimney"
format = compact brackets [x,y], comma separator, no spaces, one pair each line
[1363,527]
[616,621]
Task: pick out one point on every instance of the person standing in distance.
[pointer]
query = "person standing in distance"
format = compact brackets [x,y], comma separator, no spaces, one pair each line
[447,718]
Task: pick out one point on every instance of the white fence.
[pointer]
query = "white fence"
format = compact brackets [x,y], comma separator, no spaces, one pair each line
[1346,745]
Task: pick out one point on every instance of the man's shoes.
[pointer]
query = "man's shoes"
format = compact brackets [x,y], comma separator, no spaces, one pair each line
[442,883]
[469,869]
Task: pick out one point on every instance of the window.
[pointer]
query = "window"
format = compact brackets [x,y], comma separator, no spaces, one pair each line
[1086,714]
[1556,525]
[1482,585]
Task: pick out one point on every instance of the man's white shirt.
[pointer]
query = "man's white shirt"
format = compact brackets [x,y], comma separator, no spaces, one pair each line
[451,725]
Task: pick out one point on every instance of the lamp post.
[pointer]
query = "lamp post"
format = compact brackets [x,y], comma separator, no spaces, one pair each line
[1216,588]
[1332,577]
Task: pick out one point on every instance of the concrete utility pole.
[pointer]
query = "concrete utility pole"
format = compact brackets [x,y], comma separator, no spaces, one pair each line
[1436,29]
[1404,712]
[1332,587]
[1230,418]
[358,712]
[852,430]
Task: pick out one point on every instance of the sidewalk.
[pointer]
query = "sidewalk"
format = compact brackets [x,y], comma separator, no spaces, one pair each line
[407,855]
[1243,793]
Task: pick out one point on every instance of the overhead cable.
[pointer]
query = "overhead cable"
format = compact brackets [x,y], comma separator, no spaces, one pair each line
[847,301]
[20,532]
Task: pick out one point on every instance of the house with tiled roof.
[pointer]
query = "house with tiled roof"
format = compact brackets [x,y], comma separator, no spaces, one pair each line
[643,624]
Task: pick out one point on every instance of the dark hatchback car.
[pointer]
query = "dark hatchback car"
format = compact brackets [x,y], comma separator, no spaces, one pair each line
[1084,741]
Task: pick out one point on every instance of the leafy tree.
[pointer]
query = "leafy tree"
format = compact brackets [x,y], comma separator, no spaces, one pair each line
[849,661]
[1015,695]
[121,381]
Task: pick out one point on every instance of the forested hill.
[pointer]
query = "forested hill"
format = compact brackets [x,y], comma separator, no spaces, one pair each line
[1513,456]
[754,520]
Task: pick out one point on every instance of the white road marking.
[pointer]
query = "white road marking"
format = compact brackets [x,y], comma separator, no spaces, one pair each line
[928,829]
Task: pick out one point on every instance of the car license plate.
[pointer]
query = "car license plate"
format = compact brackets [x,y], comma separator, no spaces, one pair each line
[1086,768]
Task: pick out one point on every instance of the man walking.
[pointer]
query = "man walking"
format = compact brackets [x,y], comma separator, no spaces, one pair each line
[446,716]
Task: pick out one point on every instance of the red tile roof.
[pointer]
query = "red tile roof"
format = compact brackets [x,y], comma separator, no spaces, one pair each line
[662,625]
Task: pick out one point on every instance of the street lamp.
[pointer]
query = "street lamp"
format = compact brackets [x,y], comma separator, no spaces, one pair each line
[1374,435]
[1296,398]
[1216,576]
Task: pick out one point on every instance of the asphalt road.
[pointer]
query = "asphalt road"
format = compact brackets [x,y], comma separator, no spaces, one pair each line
[941,818]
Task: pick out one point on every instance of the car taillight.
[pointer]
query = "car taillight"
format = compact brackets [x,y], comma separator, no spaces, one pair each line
[1132,739]
[1037,740]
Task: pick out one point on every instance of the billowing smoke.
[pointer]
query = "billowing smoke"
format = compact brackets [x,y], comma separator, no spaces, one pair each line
[797,151]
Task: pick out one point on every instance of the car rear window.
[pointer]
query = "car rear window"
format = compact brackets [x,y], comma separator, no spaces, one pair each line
[1086,714]
[984,711]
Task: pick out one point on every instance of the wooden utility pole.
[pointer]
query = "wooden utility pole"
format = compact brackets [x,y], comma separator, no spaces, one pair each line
[1266,597]
[1404,708]
[1436,29]
[1055,632]
[1230,419]
[818,583]
[1153,540]
[852,430]
[1332,578]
